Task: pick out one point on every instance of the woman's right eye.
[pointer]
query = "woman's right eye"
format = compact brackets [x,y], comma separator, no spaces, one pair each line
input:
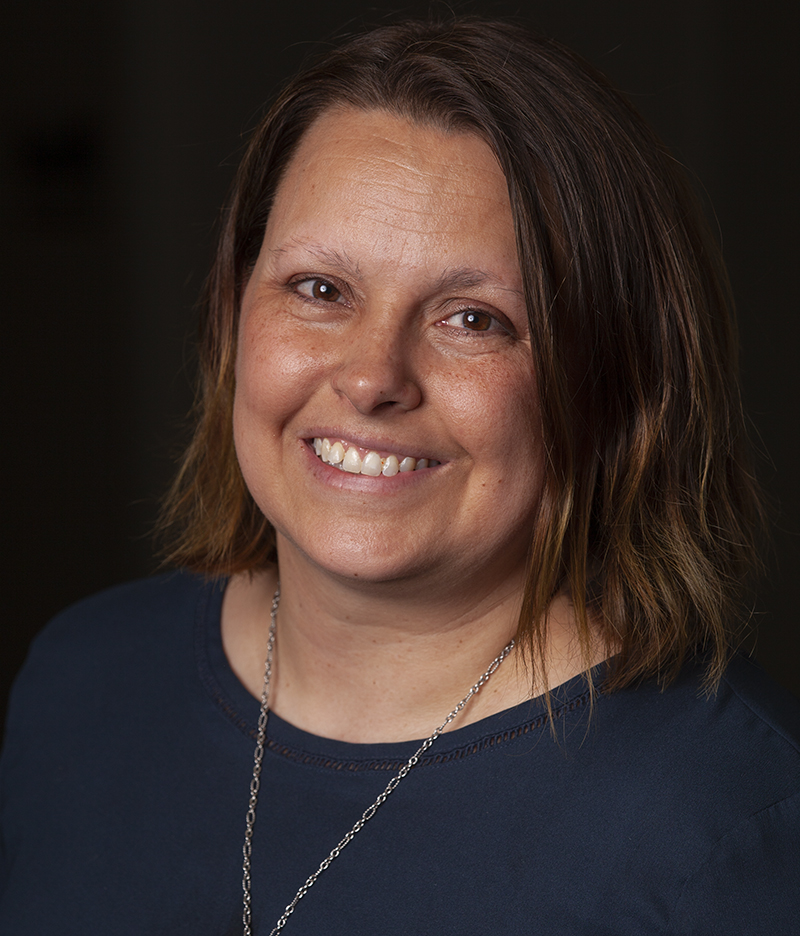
[319,289]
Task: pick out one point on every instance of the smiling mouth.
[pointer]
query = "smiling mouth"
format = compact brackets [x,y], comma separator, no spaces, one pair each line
[348,458]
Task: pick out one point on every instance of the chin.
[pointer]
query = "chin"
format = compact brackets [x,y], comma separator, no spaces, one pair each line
[357,558]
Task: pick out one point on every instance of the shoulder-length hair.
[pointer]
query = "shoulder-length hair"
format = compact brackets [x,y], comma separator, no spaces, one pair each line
[649,507]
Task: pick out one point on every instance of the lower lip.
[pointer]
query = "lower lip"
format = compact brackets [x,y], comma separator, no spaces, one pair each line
[345,480]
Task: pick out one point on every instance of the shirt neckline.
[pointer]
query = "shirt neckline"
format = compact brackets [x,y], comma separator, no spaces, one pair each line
[285,740]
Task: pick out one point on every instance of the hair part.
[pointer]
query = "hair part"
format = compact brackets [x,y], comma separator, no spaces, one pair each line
[649,508]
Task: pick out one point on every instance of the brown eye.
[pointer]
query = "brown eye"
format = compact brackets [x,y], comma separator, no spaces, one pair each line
[476,320]
[319,289]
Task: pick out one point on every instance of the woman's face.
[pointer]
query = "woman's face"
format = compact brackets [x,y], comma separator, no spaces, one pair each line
[385,315]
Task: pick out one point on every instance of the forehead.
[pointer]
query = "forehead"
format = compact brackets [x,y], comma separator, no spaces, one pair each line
[387,143]
[381,180]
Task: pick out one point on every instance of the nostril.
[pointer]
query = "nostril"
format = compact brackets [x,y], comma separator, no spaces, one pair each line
[373,387]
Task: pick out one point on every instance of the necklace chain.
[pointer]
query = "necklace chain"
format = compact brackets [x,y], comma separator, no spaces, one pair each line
[368,813]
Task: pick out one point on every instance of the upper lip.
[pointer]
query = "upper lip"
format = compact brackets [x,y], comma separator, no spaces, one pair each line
[384,447]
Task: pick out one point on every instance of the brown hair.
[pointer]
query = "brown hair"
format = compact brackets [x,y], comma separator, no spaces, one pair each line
[649,508]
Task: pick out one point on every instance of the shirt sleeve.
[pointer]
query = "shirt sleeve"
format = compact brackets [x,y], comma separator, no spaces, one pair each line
[749,883]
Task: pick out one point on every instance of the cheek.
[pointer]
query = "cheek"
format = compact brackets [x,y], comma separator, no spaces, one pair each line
[495,409]
[274,371]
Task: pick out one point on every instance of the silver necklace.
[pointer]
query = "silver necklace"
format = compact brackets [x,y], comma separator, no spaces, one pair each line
[255,782]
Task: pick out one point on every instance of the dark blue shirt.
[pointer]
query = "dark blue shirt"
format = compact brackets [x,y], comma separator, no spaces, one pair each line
[127,765]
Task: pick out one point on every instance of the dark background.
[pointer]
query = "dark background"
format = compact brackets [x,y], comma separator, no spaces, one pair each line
[120,127]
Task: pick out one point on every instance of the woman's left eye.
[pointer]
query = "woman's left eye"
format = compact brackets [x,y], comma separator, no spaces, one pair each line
[474,320]
[319,289]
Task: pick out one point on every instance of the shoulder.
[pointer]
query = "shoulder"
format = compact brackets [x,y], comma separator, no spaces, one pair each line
[120,618]
[760,701]
[747,716]
[702,762]
[717,782]
[107,667]
[107,718]
[122,606]
[748,880]
[108,646]
[729,753]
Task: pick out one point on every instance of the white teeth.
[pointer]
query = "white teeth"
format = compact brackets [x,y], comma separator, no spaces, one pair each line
[352,462]
[372,464]
[391,466]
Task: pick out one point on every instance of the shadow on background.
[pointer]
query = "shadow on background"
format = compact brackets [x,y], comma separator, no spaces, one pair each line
[120,130]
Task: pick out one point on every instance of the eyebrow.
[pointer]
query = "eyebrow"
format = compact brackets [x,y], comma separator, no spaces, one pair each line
[326,254]
[456,279]
[463,278]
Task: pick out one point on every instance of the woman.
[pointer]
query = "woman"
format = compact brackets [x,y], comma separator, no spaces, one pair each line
[469,419]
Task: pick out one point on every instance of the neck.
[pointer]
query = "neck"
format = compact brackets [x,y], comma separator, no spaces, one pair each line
[368,664]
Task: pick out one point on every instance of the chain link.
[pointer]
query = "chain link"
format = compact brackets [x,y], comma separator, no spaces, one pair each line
[368,813]
[255,782]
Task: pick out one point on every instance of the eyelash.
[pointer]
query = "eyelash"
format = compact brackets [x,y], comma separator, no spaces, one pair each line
[495,325]
[311,282]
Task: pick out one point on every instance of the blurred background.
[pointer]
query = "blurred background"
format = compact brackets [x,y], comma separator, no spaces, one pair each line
[120,129]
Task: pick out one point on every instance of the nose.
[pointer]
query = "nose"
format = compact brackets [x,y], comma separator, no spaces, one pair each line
[376,370]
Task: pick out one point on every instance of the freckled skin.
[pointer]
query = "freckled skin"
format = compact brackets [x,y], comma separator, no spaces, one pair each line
[385,211]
